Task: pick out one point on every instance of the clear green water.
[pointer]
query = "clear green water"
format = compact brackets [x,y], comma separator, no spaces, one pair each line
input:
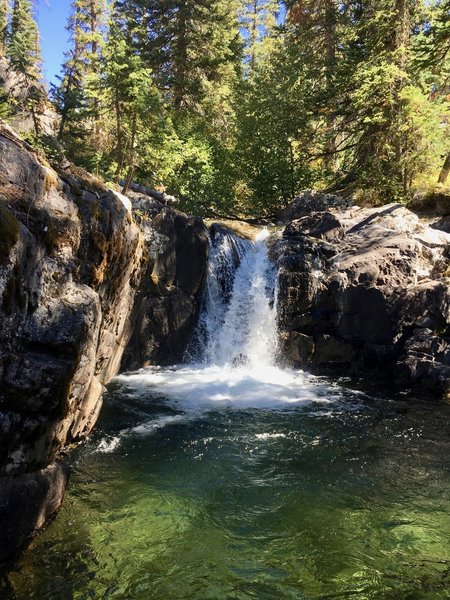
[342,500]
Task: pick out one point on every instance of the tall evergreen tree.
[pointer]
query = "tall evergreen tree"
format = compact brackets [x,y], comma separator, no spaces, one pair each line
[131,95]
[381,99]
[433,58]
[193,49]
[24,47]
[4,15]
[190,45]
[257,20]
[76,97]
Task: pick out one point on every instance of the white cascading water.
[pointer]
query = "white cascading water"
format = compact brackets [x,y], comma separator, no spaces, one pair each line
[235,347]
[238,319]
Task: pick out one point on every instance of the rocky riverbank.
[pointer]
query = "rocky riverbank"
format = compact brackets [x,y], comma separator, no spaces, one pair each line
[80,282]
[365,292]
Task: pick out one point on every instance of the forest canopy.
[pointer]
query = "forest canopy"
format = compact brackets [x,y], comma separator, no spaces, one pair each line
[236,106]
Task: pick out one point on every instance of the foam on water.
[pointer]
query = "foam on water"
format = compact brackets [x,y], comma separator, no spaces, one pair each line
[198,388]
[111,443]
[235,347]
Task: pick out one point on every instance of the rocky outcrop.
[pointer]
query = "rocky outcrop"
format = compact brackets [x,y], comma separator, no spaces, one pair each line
[364,292]
[166,308]
[29,107]
[88,281]
[70,265]
[311,201]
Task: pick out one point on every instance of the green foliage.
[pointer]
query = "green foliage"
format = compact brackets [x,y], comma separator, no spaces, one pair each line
[23,47]
[234,111]
[4,15]
[76,97]
[258,20]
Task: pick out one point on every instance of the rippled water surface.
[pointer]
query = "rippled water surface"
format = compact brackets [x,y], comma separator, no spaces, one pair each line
[291,489]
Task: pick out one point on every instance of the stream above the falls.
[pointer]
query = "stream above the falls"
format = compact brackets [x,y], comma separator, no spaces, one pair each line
[229,477]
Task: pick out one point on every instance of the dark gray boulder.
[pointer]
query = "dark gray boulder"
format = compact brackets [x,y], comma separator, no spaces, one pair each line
[364,292]
[167,305]
[311,201]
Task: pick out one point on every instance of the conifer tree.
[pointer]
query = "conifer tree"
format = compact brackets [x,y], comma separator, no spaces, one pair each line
[4,15]
[193,49]
[257,19]
[24,47]
[130,94]
[433,57]
[189,45]
[76,98]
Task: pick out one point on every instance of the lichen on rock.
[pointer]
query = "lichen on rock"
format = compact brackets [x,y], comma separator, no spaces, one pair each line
[65,299]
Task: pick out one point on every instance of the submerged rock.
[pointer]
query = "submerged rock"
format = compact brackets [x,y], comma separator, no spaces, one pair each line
[365,292]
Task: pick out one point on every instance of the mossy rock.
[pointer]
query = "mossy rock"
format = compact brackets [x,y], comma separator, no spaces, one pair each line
[9,233]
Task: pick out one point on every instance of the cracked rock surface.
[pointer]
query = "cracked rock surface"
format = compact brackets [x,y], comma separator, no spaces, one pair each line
[365,292]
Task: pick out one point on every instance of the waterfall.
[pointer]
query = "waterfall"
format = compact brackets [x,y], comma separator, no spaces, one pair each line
[232,361]
[237,325]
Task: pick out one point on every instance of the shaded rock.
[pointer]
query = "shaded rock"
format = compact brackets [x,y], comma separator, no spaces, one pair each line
[435,202]
[70,266]
[443,224]
[309,202]
[168,302]
[27,502]
[365,292]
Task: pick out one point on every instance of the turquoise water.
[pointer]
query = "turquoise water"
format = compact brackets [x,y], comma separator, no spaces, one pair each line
[333,494]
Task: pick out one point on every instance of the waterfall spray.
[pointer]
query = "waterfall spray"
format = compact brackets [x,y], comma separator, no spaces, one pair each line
[237,324]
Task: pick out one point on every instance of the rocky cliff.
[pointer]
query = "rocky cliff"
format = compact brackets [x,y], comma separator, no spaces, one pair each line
[166,307]
[73,264]
[70,265]
[29,109]
[364,292]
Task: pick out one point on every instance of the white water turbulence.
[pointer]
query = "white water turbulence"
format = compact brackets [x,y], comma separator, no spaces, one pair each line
[239,316]
[232,361]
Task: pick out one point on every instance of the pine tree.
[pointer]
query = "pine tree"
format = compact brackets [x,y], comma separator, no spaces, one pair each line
[190,46]
[383,98]
[129,94]
[319,30]
[193,50]
[76,98]
[4,15]
[257,20]
[433,58]
[24,47]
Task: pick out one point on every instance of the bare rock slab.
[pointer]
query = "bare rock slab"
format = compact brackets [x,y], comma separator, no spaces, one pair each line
[365,292]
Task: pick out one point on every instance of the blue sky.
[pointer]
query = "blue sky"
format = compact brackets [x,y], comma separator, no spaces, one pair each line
[52,17]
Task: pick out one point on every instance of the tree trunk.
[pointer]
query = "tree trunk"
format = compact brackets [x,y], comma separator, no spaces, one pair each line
[330,46]
[181,58]
[254,35]
[120,150]
[132,155]
[445,171]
